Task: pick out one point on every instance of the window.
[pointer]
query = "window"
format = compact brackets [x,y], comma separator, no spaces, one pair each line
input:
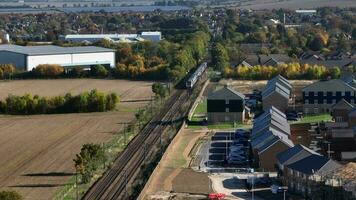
[316,110]
[227,101]
[227,110]
[306,110]
[227,118]
[339,119]
[306,101]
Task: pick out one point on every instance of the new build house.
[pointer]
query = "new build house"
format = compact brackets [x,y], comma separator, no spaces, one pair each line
[226,105]
[276,93]
[320,96]
[270,136]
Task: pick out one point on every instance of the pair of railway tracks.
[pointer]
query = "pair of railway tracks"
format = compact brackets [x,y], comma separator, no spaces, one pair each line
[114,183]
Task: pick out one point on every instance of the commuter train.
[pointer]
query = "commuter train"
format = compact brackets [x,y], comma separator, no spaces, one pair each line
[195,76]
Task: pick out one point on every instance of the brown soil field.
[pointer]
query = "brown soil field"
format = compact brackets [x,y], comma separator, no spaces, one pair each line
[128,90]
[37,151]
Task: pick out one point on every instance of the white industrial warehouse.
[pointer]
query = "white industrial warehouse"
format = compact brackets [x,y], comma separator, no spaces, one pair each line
[125,38]
[28,57]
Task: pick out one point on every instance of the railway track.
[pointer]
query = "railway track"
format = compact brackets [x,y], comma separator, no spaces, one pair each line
[113,184]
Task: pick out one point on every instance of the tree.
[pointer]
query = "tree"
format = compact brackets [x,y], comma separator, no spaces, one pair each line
[98,71]
[48,70]
[335,72]
[10,195]
[220,57]
[88,160]
[159,90]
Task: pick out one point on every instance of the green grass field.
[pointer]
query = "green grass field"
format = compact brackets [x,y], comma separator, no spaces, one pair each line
[314,119]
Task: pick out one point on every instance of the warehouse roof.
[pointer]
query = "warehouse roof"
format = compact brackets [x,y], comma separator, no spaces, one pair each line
[51,49]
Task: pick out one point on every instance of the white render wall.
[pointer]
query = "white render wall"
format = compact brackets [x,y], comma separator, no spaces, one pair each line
[72,59]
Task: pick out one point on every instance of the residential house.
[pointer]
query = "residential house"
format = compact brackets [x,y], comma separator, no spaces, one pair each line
[292,155]
[320,96]
[226,105]
[340,111]
[265,60]
[276,93]
[302,175]
[270,136]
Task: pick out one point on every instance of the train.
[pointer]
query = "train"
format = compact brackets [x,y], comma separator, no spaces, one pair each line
[189,84]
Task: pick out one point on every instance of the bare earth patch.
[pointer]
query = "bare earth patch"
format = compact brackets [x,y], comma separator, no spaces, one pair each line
[173,172]
[37,151]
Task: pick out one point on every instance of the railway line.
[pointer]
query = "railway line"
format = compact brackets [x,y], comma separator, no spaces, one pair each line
[114,183]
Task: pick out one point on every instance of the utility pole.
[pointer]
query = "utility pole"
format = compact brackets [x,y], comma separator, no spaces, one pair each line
[76,184]
[125,178]
[253,178]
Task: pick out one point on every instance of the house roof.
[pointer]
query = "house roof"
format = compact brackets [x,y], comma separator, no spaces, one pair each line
[226,93]
[343,104]
[328,63]
[313,164]
[277,84]
[51,49]
[294,154]
[330,85]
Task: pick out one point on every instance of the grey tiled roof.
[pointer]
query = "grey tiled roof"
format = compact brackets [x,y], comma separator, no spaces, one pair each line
[314,164]
[226,93]
[51,49]
[278,84]
[294,154]
[330,85]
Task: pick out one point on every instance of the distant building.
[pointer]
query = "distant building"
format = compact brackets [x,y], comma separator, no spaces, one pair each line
[126,38]
[276,93]
[226,105]
[28,57]
[306,12]
[265,60]
[320,96]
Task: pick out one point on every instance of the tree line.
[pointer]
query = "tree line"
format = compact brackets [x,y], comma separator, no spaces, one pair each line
[290,71]
[93,101]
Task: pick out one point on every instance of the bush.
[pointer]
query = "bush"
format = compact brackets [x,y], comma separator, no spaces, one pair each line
[7,70]
[48,70]
[10,195]
[93,101]
[98,71]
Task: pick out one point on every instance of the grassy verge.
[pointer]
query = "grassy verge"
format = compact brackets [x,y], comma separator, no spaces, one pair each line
[112,148]
[314,119]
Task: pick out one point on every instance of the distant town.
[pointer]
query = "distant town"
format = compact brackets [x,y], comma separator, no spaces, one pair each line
[177,100]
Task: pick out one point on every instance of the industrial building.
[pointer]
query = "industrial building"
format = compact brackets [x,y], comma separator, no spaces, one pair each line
[226,105]
[28,57]
[124,38]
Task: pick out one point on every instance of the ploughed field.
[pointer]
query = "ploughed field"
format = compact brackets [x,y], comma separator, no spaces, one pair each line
[37,151]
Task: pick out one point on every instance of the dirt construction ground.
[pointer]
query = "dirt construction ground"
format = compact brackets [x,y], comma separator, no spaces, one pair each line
[173,173]
[37,151]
